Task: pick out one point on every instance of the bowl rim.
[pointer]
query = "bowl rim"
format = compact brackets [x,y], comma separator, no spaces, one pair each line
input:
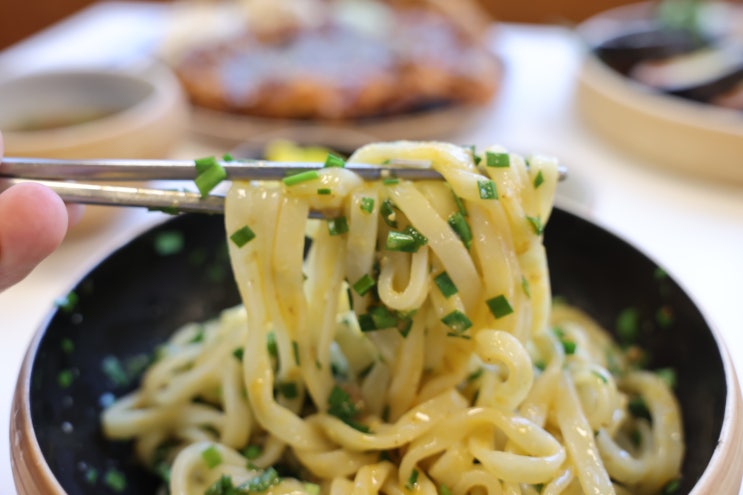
[32,474]
[163,92]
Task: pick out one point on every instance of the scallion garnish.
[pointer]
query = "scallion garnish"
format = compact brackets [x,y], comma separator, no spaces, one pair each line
[67,345]
[525,286]
[306,176]
[295,350]
[398,241]
[475,375]
[65,378]
[228,158]
[363,285]
[460,226]
[211,456]
[538,180]
[499,306]
[668,375]
[420,239]
[457,321]
[444,490]
[239,352]
[628,326]
[498,160]
[260,483]
[252,452]
[367,204]
[568,345]
[288,389]
[475,157]
[209,174]
[324,191]
[412,480]
[460,204]
[334,161]
[242,236]
[68,302]
[445,284]
[169,242]
[536,224]
[271,346]
[337,226]
[342,407]
[390,181]
[387,210]
[115,480]
[487,189]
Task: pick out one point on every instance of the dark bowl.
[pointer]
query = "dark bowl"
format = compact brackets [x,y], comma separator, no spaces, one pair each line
[179,272]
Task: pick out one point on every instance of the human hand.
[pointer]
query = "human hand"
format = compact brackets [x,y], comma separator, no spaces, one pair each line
[33,223]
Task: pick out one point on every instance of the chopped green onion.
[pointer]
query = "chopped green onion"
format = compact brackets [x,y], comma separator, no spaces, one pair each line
[600,376]
[204,164]
[387,210]
[475,375]
[312,488]
[228,158]
[295,350]
[398,241]
[169,242]
[660,273]
[67,345]
[260,483]
[569,347]
[538,180]
[390,181]
[211,456]
[628,326]
[252,452]
[306,176]
[444,490]
[91,475]
[198,336]
[334,161]
[404,326]
[363,285]
[239,353]
[540,364]
[223,486]
[525,286]
[536,224]
[672,487]
[242,236]
[271,346]
[668,375]
[487,189]
[367,205]
[68,302]
[499,306]
[65,378]
[324,191]
[210,173]
[288,389]
[475,157]
[337,226]
[445,284]
[460,226]
[460,204]
[115,480]
[499,160]
[340,404]
[412,480]
[382,317]
[457,321]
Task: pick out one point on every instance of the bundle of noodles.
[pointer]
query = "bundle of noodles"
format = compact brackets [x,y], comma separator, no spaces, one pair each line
[413,349]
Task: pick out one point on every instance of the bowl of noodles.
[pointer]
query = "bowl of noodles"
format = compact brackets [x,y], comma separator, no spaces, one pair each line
[458,336]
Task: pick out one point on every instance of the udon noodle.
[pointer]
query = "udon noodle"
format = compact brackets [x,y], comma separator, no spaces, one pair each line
[414,348]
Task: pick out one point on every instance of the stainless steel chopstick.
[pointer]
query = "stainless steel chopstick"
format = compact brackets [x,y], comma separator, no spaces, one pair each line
[52,173]
[136,170]
[171,201]
[142,170]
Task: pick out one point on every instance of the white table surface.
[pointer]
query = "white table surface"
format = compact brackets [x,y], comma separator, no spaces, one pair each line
[693,229]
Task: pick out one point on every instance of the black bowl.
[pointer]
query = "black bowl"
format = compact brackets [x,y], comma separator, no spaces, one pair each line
[179,272]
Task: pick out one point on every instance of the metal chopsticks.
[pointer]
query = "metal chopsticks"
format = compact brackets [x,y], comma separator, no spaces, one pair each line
[51,173]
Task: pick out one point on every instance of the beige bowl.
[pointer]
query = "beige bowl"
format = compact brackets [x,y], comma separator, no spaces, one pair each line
[140,113]
[672,133]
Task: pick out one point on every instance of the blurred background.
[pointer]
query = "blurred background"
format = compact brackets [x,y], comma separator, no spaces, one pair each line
[21,19]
